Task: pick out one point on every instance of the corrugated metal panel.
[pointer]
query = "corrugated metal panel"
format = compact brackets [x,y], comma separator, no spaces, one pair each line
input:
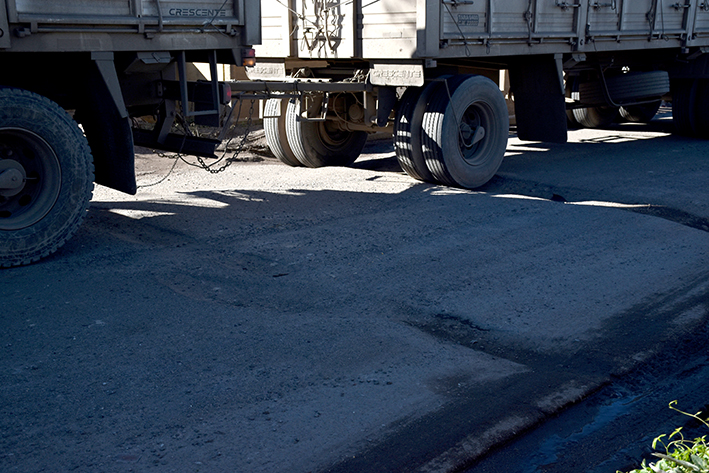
[276,29]
[326,29]
[5,40]
[186,12]
[405,29]
[386,31]
[78,8]
[552,19]
[701,24]
[464,20]
[180,10]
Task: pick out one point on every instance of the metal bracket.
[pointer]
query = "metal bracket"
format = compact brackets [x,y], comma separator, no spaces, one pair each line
[559,61]
[104,62]
[5,35]
[576,58]
[566,5]
[182,68]
[324,104]
[387,101]
[679,6]
[166,118]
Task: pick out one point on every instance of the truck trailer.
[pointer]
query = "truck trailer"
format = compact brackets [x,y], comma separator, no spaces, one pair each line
[429,70]
[75,75]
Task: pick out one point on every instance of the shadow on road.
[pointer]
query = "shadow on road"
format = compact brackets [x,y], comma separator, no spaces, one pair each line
[376,324]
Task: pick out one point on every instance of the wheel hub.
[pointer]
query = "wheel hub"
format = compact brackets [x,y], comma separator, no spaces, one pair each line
[12,177]
[30,178]
[471,135]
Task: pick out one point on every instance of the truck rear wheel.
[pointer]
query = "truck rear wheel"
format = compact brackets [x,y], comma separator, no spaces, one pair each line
[595,117]
[640,113]
[571,92]
[407,132]
[701,105]
[321,143]
[684,92]
[46,177]
[274,127]
[465,135]
[626,87]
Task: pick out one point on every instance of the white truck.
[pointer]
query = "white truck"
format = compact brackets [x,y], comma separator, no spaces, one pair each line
[97,64]
[579,61]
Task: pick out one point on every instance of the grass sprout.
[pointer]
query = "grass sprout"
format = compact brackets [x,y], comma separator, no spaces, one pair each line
[680,455]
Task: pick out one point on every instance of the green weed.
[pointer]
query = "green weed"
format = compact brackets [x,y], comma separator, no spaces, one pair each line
[680,455]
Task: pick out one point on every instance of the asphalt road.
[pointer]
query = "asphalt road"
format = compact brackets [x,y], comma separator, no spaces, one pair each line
[276,319]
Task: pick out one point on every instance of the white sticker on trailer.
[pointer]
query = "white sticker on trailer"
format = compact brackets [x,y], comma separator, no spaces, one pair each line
[267,71]
[468,19]
[403,75]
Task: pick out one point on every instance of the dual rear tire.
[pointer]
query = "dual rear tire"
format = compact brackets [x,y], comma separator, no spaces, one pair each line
[453,132]
[690,106]
[643,87]
[299,142]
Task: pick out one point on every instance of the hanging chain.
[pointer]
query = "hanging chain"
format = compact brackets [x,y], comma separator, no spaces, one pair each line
[208,167]
[234,157]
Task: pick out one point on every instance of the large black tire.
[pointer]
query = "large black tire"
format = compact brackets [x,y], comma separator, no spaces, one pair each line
[322,143]
[595,117]
[587,117]
[640,113]
[465,135]
[684,96]
[626,87]
[572,92]
[407,132]
[42,143]
[701,109]
[274,127]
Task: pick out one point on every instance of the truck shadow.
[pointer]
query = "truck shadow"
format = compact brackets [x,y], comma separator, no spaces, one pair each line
[616,166]
[660,176]
[459,269]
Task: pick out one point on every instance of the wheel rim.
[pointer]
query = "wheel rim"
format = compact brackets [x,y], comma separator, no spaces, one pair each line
[332,136]
[24,204]
[473,138]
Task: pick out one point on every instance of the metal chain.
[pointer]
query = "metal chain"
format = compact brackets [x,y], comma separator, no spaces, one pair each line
[176,158]
[208,167]
[239,149]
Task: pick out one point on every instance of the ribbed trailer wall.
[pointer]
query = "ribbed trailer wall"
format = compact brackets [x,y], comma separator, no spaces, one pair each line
[407,29]
[124,12]
[102,25]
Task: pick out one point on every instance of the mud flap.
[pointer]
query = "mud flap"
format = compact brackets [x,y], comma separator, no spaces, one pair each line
[540,107]
[108,133]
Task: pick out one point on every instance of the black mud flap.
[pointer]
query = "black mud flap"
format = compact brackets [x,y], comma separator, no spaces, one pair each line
[540,107]
[109,135]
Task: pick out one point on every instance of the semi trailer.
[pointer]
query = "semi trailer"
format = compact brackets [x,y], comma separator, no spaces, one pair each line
[429,71]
